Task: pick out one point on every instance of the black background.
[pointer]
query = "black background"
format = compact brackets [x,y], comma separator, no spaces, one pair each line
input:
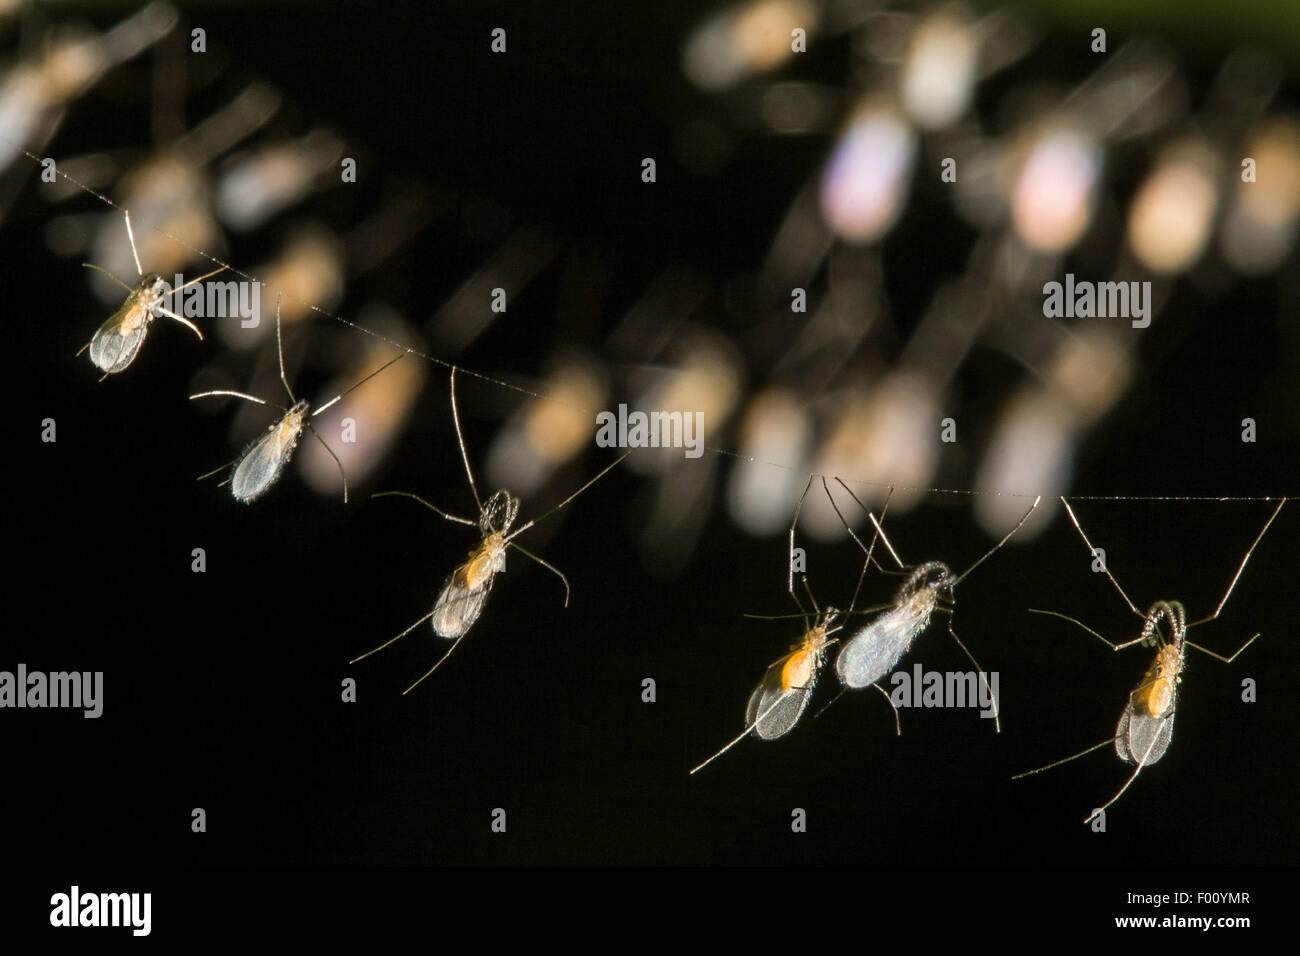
[222,689]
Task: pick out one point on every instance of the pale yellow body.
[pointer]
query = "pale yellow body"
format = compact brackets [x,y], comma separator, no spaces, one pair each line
[1155,694]
[288,430]
[136,315]
[801,665]
[483,563]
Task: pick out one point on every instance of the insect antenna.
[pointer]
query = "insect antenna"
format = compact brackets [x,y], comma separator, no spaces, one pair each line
[91,265]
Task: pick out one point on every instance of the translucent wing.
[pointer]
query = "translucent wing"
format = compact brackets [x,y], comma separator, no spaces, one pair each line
[1141,738]
[872,653]
[260,466]
[774,711]
[117,342]
[1121,735]
[459,604]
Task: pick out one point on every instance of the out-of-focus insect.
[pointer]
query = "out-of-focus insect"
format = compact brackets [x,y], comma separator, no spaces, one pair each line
[782,695]
[260,464]
[1146,724]
[466,591]
[875,649]
[36,92]
[117,342]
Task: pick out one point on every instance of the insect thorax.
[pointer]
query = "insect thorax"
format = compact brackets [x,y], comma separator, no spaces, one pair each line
[151,284]
[297,415]
[148,294]
[485,561]
[495,546]
[288,429]
[800,668]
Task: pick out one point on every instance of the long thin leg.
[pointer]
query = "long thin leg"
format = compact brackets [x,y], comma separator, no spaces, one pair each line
[243,395]
[1220,657]
[130,234]
[898,723]
[879,530]
[1242,566]
[464,455]
[1081,753]
[201,278]
[816,610]
[430,671]
[789,577]
[803,617]
[1005,539]
[159,310]
[279,349]
[547,565]
[803,612]
[546,514]
[997,724]
[875,536]
[343,474]
[862,575]
[1104,566]
[889,571]
[1066,617]
[209,474]
[827,705]
[357,385]
[391,640]
[433,508]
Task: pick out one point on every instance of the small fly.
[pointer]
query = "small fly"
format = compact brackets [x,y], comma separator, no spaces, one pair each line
[118,341]
[466,590]
[787,686]
[261,463]
[782,695]
[1146,725]
[877,648]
